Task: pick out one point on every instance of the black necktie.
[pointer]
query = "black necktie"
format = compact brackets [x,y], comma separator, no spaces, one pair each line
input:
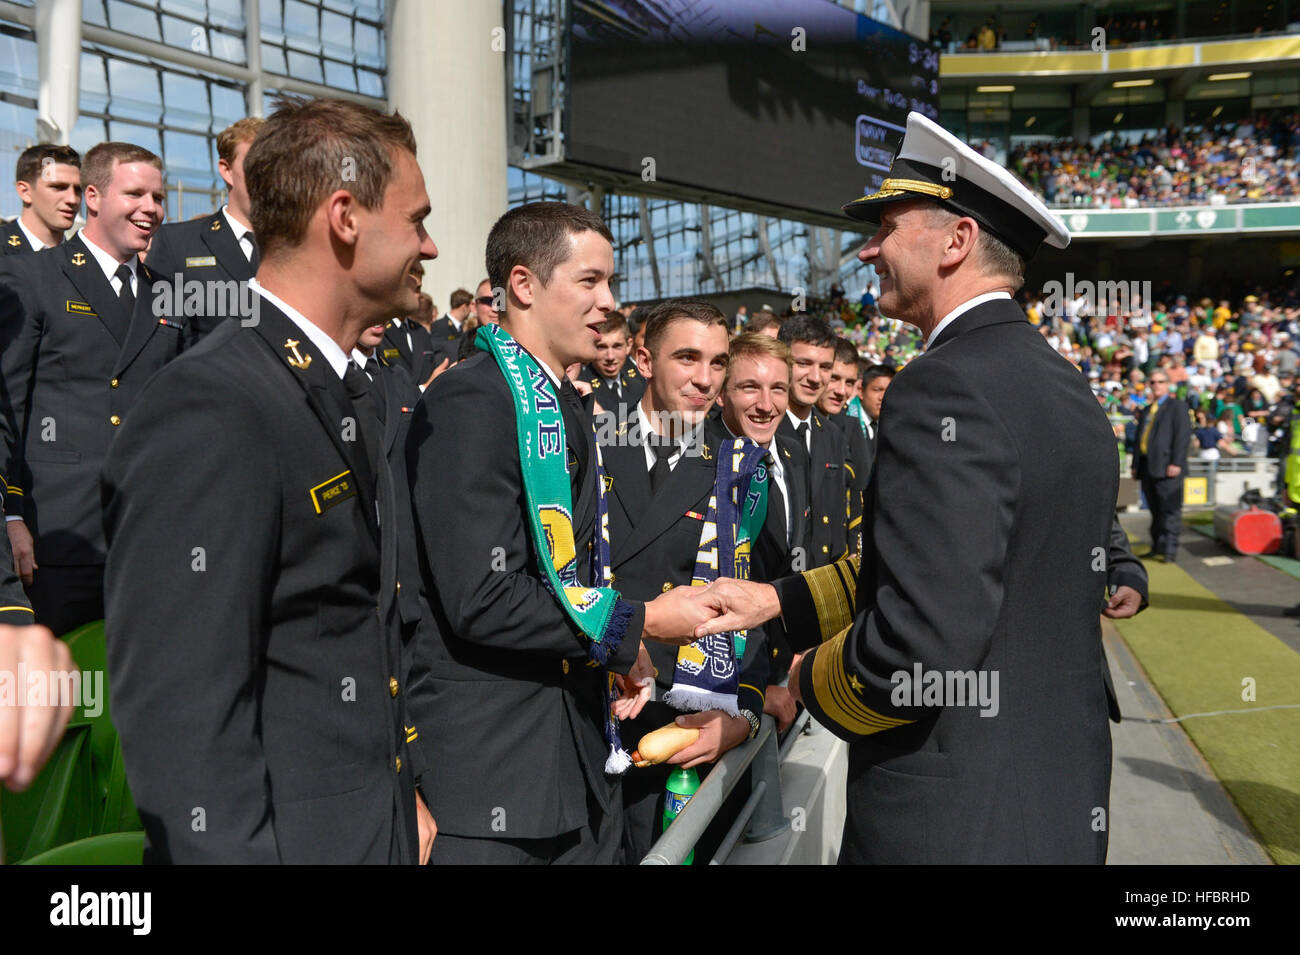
[255,259]
[801,430]
[575,421]
[125,297]
[775,499]
[372,367]
[660,471]
[358,388]
[373,373]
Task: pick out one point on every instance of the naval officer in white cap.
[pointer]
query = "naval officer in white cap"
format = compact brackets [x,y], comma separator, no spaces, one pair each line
[963,665]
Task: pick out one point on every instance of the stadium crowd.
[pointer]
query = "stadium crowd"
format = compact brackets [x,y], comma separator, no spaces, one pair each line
[1255,161]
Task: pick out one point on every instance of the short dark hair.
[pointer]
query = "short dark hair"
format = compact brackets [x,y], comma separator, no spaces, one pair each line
[806,330]
[33,158]
[460,297]
[637,318]
[240,131]
[309,148]
[877,371]
[846,353]
[536,235]
[665,313]
[615,322]
[762,320]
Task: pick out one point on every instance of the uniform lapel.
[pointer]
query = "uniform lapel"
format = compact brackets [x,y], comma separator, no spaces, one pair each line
[143,322]
[796,482]
[996,312]
[625,466]
[396,338]
[83,271]
[691,480]
[220,240]
[819,468]
[325,395]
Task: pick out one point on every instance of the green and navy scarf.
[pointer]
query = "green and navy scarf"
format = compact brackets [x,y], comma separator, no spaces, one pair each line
[597,610]
[707,675]
[855,409]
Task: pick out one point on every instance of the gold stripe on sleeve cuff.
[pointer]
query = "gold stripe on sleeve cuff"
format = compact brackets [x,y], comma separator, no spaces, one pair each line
[836,697]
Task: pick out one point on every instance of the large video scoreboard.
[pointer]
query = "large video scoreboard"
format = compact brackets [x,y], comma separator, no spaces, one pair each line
[798,104]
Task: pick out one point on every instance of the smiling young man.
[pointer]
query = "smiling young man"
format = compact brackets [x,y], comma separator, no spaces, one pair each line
[254,633]
[826,457]
[82,340]
[510,537]
[842,386]
[48,181]
[755,397]
[613,375]
[220,249]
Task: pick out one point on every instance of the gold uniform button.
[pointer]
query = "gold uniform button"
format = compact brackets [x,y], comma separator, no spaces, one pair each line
[564,666]
[666,587]
[113,383]
[115,420]
[825,519]
[825,549]
[399,764]
[392,686]
[399,586]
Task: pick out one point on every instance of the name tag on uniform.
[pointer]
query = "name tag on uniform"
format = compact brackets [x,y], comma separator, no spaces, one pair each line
[391,353]
[81,308]
[334,491]
[195,261]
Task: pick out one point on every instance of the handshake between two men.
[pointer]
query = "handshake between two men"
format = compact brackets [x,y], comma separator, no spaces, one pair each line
[685,614]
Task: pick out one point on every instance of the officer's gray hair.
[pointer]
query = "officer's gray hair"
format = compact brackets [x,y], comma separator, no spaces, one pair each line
[996,258]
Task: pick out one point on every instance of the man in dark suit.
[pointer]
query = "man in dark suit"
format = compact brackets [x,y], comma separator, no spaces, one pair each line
[826,457]
[269,636]
[445,332]
[875,382]
[407,343]
[516,767]
[1164,430]
[81,338]
[661,468]
[754,401]
[973,558]
[48,181]
[840,387]
[613,376]
[220,250]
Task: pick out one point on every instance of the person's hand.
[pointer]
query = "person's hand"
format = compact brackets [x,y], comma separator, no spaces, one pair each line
[739,605]
[1124,604]
[1173,471]
[442,366]
[635,687]
[581,387]
[24,548]
[428,829]
[28,734]
[792,682]
[675,616]
[718,733]
[779,703]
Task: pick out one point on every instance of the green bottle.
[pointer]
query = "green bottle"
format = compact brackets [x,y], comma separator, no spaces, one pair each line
[682,785]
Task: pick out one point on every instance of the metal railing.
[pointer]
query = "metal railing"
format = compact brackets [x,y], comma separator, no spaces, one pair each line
[761,818]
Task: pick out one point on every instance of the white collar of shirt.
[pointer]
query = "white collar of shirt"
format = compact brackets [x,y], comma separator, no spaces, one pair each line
[645,430]
[35,243]
[454,323]
[795,421]
[239,229]
[960,310]
[360,358]
[328,347]
[110,264]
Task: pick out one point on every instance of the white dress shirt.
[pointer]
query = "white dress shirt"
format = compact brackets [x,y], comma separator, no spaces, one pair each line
[243,234]
[35,243]
[328,347]
[110,266]
[795,421]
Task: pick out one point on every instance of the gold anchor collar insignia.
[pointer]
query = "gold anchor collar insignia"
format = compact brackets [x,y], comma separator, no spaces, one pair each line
[705,453]
[15,241]
[298,360]
[78,258]
[216,225]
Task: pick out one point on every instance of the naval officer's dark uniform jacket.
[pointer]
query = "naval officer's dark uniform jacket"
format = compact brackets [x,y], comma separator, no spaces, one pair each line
[511,715]
[973,566]
[13,241]
[253,632]
[830,472]
[630,387]
[73,368]
[858,466]
[407,344]
[655,538]
[444,338]
[204,250]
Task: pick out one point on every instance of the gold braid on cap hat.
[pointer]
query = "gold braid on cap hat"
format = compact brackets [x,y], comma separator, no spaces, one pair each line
[917,185]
